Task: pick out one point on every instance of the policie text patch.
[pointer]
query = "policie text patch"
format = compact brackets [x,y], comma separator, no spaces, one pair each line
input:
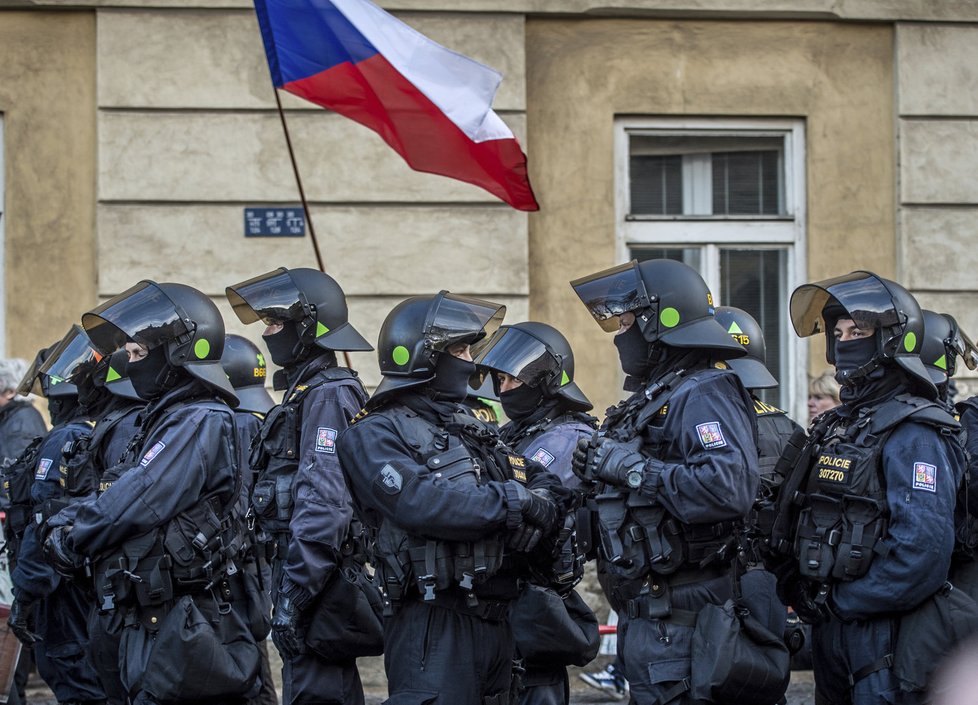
[924,477]
[710,435]
[42,469]
[325,440]
[152,453]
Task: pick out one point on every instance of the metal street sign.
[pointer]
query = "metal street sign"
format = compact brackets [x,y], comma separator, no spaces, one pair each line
[274,221]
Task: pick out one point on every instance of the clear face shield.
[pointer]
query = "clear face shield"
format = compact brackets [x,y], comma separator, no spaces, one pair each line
[610,293]
[71,359]
[461,319]
[520,355]
[864,297]
[269,297]
[143,314]
[961,344]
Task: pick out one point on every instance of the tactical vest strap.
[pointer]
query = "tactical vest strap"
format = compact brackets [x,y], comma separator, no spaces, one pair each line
[868,670]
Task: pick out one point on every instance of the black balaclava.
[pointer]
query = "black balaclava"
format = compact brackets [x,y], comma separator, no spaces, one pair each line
[93,398]
[284,347]
[63,409]
[452,374]
[633,353]
[851,356]
[152,376]
[520,402]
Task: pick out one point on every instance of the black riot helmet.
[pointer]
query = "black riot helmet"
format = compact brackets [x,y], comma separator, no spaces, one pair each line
[944,342]
[873,303]
[245,367]
[670,300]
[307,296]
[746,331]
[420,328]
[539,356]
[177,317]
[49,374]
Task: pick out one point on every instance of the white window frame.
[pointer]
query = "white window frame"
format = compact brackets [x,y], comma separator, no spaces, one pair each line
[711,233]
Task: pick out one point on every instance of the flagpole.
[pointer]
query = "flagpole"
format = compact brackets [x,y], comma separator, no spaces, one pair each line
[302,195]
[298,181]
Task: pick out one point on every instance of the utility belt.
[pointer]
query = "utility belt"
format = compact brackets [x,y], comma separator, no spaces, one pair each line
[654,600]
[461,601]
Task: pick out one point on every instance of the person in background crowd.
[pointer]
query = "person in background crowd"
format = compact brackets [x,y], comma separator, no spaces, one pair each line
[823,394]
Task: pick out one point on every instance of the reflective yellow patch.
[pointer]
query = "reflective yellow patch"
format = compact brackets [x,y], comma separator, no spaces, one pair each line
[519,475]
[517,462]
[664,410]
[103,486]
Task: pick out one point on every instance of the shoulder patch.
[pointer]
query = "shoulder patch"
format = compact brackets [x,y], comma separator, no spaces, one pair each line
[152,453]
[43,466]
[391,479]
[543,456]
[325,440]
[711,436]
[924,477]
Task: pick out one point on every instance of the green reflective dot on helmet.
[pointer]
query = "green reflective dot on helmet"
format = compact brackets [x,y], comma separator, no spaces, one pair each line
[202,348]
[400,355]
[669,317]
[910,341]
[261,360]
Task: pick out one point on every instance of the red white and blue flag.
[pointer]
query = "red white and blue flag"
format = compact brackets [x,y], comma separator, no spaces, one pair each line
[431,104]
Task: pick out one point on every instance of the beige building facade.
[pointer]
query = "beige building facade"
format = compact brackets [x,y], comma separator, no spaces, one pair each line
[766,143]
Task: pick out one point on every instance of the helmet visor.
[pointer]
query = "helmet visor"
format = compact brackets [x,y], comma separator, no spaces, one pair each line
[962,345]
[520,355]
[863,296]
[460,319]
[268,297]
[143,314]
[30,383]
[612,292]
[70,359]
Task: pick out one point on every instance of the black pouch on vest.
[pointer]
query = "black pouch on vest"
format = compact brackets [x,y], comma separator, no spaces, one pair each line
[199,654]
[930,631]
[346,622]
[552,631]
[736,660]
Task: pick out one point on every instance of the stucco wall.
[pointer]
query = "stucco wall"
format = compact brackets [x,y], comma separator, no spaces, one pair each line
[47,97]
[189,135]
[581,74]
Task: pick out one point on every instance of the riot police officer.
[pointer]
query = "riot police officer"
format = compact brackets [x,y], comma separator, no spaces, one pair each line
[59,607]
[869,506]
[299,498]
[532,369]
[675,467]
[441,496]
[246,370]
[20,422]
[164,534]
[109,397]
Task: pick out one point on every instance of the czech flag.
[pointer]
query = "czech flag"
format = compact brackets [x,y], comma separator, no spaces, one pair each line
[432,105]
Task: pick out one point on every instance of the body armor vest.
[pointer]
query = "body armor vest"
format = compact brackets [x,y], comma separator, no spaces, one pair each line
[275,451]
[843,513]
[18,475]
[84,458]
[522,440]
[191,553]
[775,432]
[639,536]
[409,564]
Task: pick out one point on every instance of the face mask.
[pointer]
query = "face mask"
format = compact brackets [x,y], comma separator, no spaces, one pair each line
[851,355]
[520,402]
[62,409]
[89,395]
[452,375]
[633,352]
[282,346]
[150,376]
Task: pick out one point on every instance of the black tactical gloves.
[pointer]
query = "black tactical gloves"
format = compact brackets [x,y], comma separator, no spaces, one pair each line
[609,461]
[21,621]
[59,554]
[539,513]
[285,627]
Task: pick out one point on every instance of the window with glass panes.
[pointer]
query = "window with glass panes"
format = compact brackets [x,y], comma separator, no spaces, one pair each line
[727,198]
